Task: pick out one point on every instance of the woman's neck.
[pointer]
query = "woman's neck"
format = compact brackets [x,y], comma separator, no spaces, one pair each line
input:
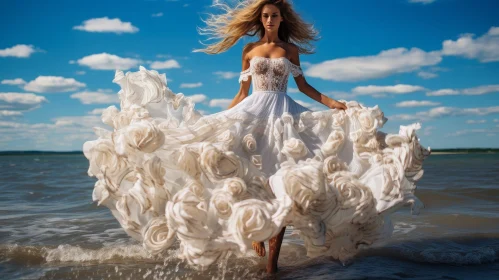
[270,38]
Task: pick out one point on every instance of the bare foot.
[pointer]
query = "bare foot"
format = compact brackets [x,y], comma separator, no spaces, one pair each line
[259,248]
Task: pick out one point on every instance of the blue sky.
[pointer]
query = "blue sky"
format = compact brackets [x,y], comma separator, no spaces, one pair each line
[436,62]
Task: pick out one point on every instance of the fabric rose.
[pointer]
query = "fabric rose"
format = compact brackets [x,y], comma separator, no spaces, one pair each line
[339,118]
[187,214]
[122,119]
[371,119]
[294,148]
[187,161]
[105,163]
[357,200]
[287,118]
[143,136]
[249,143]
[109,114]
[304,183]
[256,160]
[252,221]
[222,201]
[332,165]
[334,142]
[219,165]
[157,236]
[196,187]
[235,186]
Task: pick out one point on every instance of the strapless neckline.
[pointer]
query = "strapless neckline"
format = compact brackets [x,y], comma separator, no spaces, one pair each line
[283,57]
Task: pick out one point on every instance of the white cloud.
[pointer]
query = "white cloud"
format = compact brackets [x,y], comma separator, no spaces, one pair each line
[442,92]
[316,106]
[197,98]
[75,122]
[106,24]
[167,64]
[157,14]
[64,133]
[479,90]
[8,113]
[476,121]
[106,61]
[415,103]
[4,124]
[14,82]
[422,1]
[440,112]
[48,84]
[97,111]
[489,132]
[222,103]
[293,90]
[496,120]
[96,97]
[427,130]
[340,94]
[484,48]
[63,123]
[192,85]
[386,63]
[21,51]
[396,89]
[427,75]
[80,72]
[375,91]
[20,102]
[226,74]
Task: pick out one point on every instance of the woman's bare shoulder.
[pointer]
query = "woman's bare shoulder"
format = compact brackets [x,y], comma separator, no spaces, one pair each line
[292,49]
[293,53]
[249,47]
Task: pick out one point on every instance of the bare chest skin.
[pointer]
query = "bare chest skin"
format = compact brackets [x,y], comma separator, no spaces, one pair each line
[274,50]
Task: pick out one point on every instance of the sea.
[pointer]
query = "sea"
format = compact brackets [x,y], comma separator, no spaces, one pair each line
[51,229]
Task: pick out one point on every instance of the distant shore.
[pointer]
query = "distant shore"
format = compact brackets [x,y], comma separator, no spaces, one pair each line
[34,153]
[460,153]
[433,152]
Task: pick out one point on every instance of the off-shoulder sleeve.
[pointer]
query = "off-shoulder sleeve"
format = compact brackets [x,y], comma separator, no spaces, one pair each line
[244,75]
[295,69]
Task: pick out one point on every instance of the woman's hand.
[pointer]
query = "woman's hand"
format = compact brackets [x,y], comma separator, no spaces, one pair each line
[333,104]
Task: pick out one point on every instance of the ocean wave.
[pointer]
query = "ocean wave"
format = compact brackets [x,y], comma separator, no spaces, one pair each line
[452,251]
[33,255]
[458,250]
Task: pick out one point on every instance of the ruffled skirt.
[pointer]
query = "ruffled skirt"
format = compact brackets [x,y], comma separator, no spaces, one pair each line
[218,182]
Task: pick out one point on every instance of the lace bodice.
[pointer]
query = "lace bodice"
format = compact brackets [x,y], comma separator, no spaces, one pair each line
[270,74]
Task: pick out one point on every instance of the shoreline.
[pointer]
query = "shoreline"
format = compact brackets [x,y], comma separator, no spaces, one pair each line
[461,153]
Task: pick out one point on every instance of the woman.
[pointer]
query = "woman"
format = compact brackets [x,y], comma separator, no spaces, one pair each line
[222,182]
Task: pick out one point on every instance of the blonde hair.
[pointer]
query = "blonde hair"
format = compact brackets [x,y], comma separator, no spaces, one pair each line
[244,20]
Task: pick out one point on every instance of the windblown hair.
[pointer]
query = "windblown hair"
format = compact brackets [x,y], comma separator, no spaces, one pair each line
[244,20]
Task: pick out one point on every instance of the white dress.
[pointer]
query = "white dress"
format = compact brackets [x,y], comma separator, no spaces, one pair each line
[218,182]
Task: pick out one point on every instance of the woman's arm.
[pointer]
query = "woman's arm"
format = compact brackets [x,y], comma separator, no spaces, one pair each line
[245,85]
[309,90]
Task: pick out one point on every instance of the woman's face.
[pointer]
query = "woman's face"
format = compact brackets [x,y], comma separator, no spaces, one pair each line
[271,18]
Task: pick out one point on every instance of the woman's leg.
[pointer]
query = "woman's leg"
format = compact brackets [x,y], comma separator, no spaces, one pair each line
[274,249]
